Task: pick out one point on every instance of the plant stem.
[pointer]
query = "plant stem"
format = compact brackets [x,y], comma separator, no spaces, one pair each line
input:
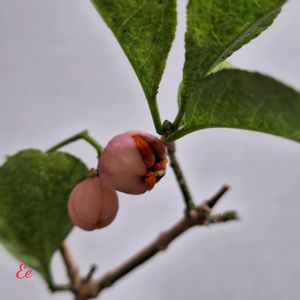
[187,196]
[155,116]
[84,135]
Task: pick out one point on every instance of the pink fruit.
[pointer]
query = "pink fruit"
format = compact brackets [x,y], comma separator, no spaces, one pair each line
[133,162]
[92,204]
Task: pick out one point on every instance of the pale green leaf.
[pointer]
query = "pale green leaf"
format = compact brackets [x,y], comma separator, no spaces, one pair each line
[221,66]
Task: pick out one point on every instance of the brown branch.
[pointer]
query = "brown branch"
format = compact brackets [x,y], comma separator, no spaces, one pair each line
[85,288]
[199,216]
[72,270]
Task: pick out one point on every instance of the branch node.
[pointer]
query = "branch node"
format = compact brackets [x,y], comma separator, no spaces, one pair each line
[167,127]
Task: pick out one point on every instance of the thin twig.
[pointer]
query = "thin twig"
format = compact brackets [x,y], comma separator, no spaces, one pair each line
[188,199]
[224,217]
[213,200]
[90,274]
[72,270]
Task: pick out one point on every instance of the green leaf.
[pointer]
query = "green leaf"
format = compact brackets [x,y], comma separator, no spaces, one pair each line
[34,189]
[217,28]
[240,99]
[221,66]
[145,30]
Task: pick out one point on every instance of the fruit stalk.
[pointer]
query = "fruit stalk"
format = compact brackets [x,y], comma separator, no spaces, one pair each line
[84,135]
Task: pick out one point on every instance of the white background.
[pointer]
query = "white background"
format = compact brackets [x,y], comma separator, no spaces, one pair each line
[61,71]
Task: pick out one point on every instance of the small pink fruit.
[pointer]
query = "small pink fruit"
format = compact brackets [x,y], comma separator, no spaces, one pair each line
[133,162]
[92,204]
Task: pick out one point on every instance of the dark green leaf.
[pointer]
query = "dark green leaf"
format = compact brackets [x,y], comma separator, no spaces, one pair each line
[217,28]
[145,30]
[221,66]
[240,99]
[34,189]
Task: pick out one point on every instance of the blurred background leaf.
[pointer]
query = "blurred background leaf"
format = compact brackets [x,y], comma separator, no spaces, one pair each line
[34,189]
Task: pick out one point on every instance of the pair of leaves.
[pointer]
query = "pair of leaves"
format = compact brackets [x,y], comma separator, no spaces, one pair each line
[34,189]
[232,98]
[215,29]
